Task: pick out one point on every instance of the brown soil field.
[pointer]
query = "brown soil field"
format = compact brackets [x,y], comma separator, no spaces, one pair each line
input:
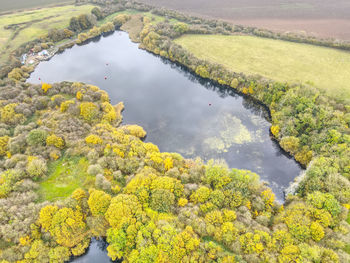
[321,18]
[12,5]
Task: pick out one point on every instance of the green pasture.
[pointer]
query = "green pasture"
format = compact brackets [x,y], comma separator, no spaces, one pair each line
[324,68]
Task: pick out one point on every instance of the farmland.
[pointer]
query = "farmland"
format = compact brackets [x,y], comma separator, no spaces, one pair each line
[316,17]
[324,68]
[10,5]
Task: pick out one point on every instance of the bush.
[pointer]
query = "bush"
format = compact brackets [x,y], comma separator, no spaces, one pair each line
[3,145]
[45,87]
[56,141]
[89,111]
[93,139]
[36,168]
[37,137]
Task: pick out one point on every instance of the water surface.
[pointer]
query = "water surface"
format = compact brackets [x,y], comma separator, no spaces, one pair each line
[180,112]
[96,253]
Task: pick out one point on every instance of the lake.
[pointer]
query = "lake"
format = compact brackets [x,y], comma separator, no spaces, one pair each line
[180,112]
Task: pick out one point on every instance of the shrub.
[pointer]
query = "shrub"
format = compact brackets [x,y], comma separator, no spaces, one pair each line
[56,141]
[182,202]
[45,87]
[36,168]
[135,130]
[65,105]
[93,139]
[317,232]
[89,111]
[94,169]
[9,115]
[3,145]
[37,137]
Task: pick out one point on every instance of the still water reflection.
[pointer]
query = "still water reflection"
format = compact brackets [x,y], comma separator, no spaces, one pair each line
[97,253]
[179,112]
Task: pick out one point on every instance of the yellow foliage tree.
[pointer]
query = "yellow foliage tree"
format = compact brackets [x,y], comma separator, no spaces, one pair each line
[45,87]
[98,202]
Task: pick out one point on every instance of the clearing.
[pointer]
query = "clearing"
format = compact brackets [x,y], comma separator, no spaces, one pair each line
[325,68]
[64,176]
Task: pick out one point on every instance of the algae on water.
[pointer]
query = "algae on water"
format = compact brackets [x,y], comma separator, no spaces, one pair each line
[232,131]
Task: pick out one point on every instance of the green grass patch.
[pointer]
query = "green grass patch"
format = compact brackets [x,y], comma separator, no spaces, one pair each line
[325,68]
[64,176]
[110,17]
[29,25]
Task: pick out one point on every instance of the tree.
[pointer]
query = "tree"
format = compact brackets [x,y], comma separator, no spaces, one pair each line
[74,24]
[98,202]
[123,211]
[290,144]
[97,12]
[162,200]
[184,246]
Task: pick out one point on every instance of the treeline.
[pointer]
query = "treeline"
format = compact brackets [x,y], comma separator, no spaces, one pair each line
[151,206]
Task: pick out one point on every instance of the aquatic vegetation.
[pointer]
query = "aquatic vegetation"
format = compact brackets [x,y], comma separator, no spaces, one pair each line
[232,131]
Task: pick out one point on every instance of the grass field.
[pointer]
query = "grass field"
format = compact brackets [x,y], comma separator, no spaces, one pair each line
[65,175]
[11,5]
[325,68]
[29,25]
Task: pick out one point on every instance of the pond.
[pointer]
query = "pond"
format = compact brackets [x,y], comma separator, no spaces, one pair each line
[96,253]
[180,112]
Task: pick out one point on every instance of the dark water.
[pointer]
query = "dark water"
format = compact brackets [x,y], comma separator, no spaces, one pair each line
[180,112]
[97,252]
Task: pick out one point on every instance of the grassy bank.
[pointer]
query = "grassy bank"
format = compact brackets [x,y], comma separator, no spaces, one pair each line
[325,68]
[25,26]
